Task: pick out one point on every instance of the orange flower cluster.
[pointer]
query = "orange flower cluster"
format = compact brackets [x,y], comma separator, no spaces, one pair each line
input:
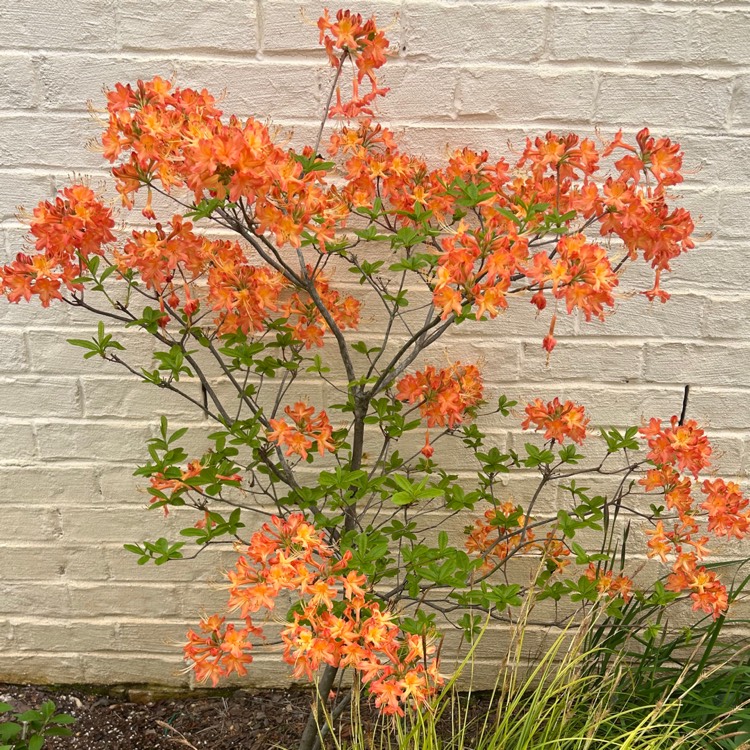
[73,227]
[219,649]
[659,234]
[560,421]
[477,264]
[349,36]
[580,273]
[727,509]
[556,551]
[607,583]
[497,534]
[304,431]
[308,325]
[674,449]
[446,396]
[335,624]
[684,445]
[176,137]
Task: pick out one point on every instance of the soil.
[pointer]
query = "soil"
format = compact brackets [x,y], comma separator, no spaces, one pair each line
[140,719]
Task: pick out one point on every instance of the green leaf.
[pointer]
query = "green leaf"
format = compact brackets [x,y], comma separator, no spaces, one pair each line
[63,719]
[30,715]
[9,729]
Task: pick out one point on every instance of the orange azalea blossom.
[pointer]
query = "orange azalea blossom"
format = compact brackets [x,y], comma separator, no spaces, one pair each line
[685,448]
[495,536]
[685,445]
[72,228]
[727,508]
[558,420]
[445,397]
[607,583]
[556,551]
[337,622]
[305,430]
[677,489]
[350,36]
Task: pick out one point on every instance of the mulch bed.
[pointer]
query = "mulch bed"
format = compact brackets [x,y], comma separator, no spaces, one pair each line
[138,719]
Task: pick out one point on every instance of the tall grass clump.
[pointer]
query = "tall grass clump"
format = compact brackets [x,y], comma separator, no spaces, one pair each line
[571,696]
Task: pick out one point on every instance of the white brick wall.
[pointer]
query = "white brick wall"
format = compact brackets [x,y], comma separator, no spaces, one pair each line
[73,605]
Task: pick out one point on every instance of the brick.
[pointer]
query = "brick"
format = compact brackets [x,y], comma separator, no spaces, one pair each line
[111,397]
[160,637]
[39,599]
[259,89]
[18,85]
[24,314]
[465,31]
[679,317]
[21,525]
[51,353]
[67,636]
[92,441]
[618,405]
[110,599]
[740,117]
[47,484]
[701,364]
[576,359]
[216,25]
[70,81]
[16,442]
[61,24]
[49,141]
[6,635]
[425,93]
[733,220]
[117,485]
[292,26]
[720,408]
[715,159]
[500,362]
[119,525]
[437,140]
[19,188]
[39,397]
[123,565]
[638,35]
[12,351]
[726,318]
[40,668]
[107,669]
[699,269]
[516,95]
[727,456]
[662,100]
[52,562]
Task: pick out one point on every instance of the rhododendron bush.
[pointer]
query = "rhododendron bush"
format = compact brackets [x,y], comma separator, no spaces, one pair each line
[242,290]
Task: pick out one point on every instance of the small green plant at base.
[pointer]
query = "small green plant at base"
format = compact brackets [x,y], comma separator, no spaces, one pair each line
[27,730]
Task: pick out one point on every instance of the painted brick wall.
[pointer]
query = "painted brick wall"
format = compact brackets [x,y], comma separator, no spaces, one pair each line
[73,606]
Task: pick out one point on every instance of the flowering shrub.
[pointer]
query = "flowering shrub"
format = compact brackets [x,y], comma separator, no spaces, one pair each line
[346,487]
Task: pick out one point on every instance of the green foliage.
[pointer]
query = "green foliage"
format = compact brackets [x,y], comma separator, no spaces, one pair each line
[27,730]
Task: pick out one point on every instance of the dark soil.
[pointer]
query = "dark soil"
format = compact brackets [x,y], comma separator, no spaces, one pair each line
[139,719]
[134,720]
